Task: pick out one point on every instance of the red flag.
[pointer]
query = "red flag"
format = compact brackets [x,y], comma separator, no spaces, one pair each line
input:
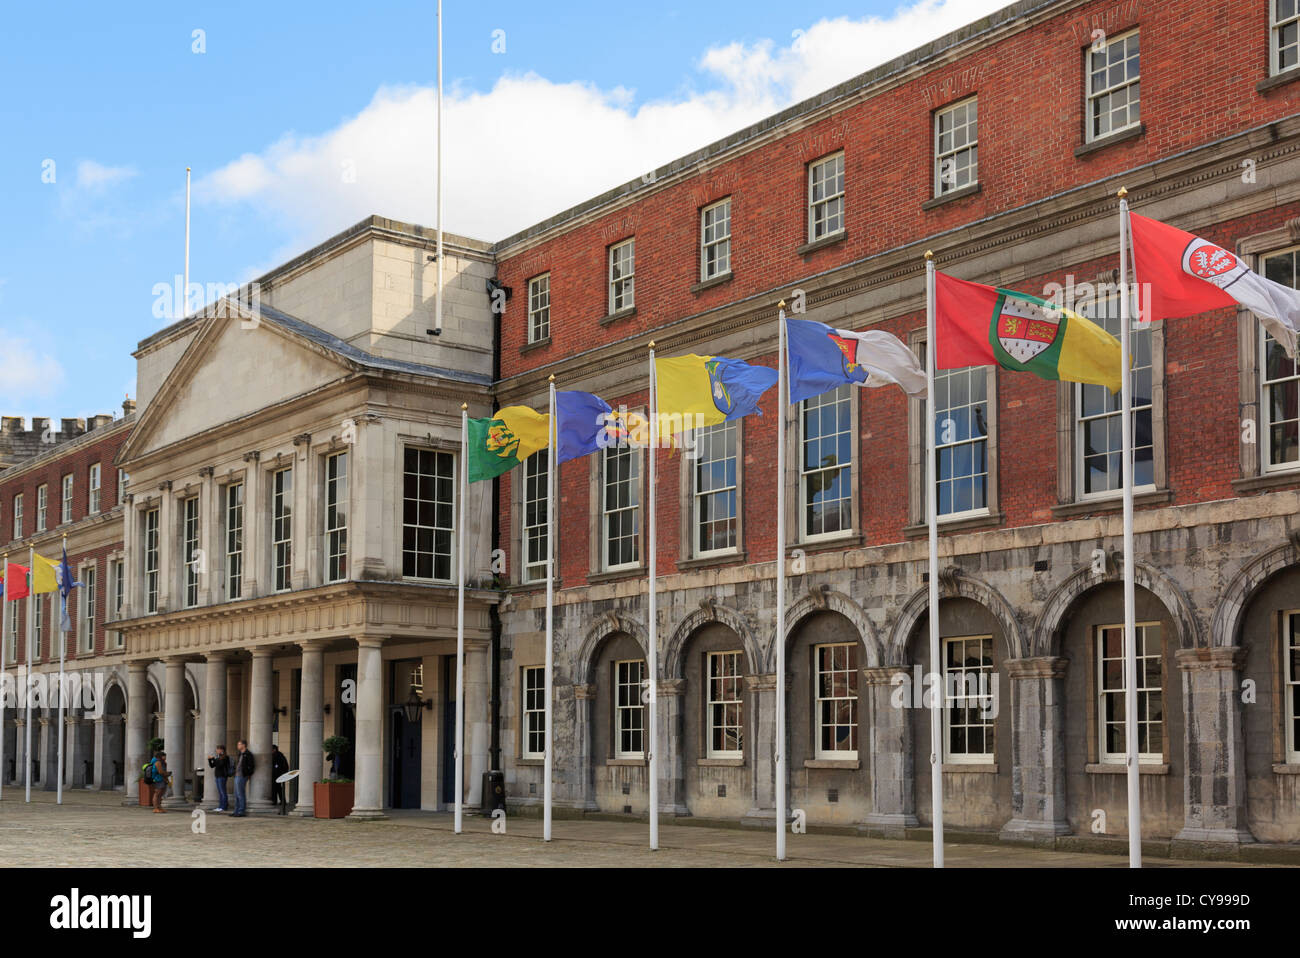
[1182,275]
[18,576]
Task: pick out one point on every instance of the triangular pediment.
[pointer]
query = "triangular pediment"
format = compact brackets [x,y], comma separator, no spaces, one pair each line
[232,369]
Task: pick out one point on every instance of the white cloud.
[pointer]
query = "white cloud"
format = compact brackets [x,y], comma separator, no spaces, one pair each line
[530,147]
[26,373]
[94,176]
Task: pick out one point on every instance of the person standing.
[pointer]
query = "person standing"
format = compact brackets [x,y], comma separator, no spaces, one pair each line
[220,765]
[243,772]
[279,790]
[158,784]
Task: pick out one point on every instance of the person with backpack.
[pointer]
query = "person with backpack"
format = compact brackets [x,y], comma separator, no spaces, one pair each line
[220,765]
[279,790]
[156,775]
[243,772]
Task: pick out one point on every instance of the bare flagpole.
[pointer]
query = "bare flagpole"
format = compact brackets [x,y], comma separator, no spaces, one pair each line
[937,690]
[185,293]
[63,650]
[4,641]
[1130,614]
[461,535]
[652,620]
[437,296]
[782,394]
[553,428]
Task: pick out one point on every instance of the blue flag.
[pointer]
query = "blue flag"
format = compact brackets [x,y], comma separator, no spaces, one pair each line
[822,358]
[581,424]
[66,585]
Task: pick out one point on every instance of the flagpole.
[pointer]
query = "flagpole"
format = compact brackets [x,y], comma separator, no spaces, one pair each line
[460,617]
[27,749]
[63,649]
[185,294]
[1130,613]
[937,687]
[782,398]
[437,296]
[552,431]
[652,620]
[4,641]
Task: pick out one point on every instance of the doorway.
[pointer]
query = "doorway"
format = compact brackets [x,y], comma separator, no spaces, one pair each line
[405,760]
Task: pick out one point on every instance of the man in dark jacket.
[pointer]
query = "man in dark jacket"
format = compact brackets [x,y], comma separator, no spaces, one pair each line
[243,772]
[279,790]
[220,765]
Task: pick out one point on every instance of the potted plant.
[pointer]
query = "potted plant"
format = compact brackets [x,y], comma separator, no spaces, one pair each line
[154,746]
[333,797]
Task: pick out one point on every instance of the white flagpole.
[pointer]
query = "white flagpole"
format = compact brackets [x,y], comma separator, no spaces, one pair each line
[437,296]
[462,535]
[27,750]
[553,429]
[1130,614]
[652,620]
[782,397]
[185,294]
[63,648]
[937,689]
[4,641]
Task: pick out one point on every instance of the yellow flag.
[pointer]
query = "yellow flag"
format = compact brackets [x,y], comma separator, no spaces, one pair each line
[45,577]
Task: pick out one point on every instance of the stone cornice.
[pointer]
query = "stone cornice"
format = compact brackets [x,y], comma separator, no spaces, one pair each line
[1217,658]
[1038,667]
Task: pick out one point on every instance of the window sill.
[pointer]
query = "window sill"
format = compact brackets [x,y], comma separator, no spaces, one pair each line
[847,764]
[846,540]
[538,344]
[1277,80]
[530,762]
[538,586]
[1268,480]
[600,577]
[625,763]
[922,530]
[720,762]
[1115,768]
[614,317]
[1286,769]
[1132,133]
[704,562]
[830,239]
[1088,507]
[718,280]
[960,194]
[975,768]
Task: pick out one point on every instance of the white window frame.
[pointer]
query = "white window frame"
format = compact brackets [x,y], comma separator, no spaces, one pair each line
[724,701]
[1092,95]
[705,438]
[539,308]
[940,447]
[1291,680]
[65,510]
[626,688]
[964,698]
[532,687]
[42,506]
[841,394]
[233,538]
[337,508]
[18,516]
[820,205]
[93,484]
[150,558]
[533,517]
[282,530]
[622,276]
[89,588]
[189,551]
[117,572]
[711,240]
[433,530]
[633,484]
[1119,758]
[123,480]
[968,147]
[1265,384]
[1275,37]
[852,698]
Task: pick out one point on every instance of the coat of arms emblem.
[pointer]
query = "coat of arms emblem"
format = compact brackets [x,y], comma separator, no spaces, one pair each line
[1026,329]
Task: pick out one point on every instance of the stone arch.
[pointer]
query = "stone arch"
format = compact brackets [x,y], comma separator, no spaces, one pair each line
[709,611]
[956,584]
[1231,608]
[826,600]
[606,625]
[1047,629]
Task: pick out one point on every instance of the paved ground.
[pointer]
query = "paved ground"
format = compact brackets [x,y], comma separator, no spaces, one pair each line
[93,829]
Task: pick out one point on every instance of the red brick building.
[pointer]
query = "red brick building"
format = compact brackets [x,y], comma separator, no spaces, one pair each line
[1000,147]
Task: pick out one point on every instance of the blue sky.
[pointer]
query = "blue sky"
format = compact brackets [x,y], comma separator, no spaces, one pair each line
[299,119]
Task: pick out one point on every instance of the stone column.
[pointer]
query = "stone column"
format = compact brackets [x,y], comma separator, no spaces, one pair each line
[48,748]
[131,556]
[174,729]
[214,723]
[103,772]
[255,519]
[304,569]
[368,800]
[20,743]
[209,581]
[168,548]
[1215,745]
[478,719]
[260,719]
[1037,749]
[74,771]
[137,727]
[672,733]
[581,751]
[892,755]
[762,705]
[311,725]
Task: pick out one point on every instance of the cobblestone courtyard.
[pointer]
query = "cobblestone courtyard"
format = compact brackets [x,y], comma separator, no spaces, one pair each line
[93,829]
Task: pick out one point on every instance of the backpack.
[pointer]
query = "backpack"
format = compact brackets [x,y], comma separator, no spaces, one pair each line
[150,772]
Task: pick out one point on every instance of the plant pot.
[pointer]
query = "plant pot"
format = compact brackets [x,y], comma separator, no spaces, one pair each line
[145,796]
[332,799]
